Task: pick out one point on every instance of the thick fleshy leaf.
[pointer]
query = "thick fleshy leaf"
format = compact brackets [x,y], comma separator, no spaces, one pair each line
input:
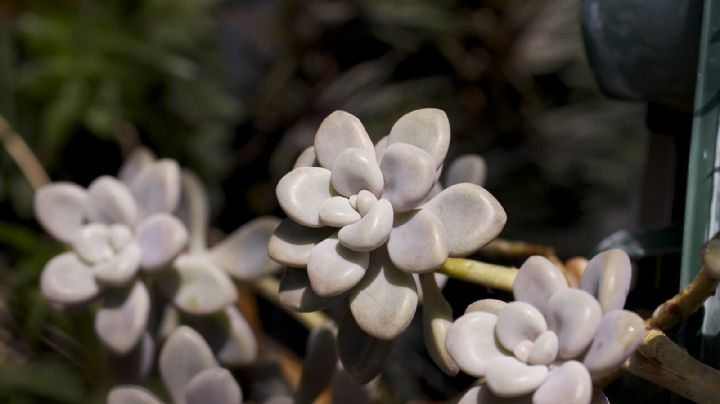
[384,302]
[110,201]
[334,269]
[418,242]
[522,350]
[492,306]
[619,334]
[296,293]
[518,322]
[318,366]
[291,243]
[409,175]
[544,349]
[568,383]
[471,215]
[120,268]
[380,147]
[213,386]
[471,342]
[466,168]
[197,286]
[365,201]
[483,395]
[244,252]
[161,238]
[347,390]
[536,281]
[184,355]
[193,210]
[340,131]
[66,280]
[169,321]
[301,192]
[156,188]
[607,276]
[122,319]
[134,366]
[229,336]
[307,158]
[337,212]
[370,232]
[362,355]
[60,209]
[428,129]
[120,236]
[92,243]
[437,319]
[508,377]
[140,158]
[573,315]
[355,170]
[131,395]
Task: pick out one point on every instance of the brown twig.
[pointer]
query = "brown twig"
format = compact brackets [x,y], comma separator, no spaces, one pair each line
[692,296]
[687,301]
[661,361]
[22,155]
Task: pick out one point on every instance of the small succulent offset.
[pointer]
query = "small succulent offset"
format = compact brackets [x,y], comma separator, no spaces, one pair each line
[361,222]
[189,372]
[551,342]
[129,237]
[115,228]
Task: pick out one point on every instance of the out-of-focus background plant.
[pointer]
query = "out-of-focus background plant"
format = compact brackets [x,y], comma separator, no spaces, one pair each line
[235,90]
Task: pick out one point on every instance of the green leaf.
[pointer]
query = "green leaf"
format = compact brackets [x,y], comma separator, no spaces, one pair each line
[47,380]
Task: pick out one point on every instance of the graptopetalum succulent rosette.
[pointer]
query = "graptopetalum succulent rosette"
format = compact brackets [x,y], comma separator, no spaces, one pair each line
[361,223]
[129,238]
[189,372]
[551,342]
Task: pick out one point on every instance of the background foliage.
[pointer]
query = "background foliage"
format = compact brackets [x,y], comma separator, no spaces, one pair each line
[236,89]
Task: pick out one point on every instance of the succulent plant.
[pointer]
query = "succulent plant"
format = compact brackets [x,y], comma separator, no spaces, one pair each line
[128,240]
[319,367]
[551,342]
[189,372]
[360,223]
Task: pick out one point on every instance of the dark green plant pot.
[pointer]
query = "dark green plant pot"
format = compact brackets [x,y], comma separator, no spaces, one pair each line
[644,50]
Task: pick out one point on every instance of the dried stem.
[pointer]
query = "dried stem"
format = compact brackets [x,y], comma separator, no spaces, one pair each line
[515,248]
[686,302]
[689,300]
[22,155]
[268,288]
[521,249]
[481,273]
[661,361]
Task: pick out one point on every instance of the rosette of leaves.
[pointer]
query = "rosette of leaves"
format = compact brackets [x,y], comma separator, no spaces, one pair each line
[360,222]
[189,372]
[128,241]
[553,341]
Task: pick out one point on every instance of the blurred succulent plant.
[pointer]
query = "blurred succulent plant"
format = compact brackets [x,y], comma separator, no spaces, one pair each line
[552,342]
[189,372]
[375,196]
[126,238]
[319,367]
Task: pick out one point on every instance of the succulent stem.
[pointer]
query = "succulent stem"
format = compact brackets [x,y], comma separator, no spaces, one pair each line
[22,155]
[481,273]
[268,288]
